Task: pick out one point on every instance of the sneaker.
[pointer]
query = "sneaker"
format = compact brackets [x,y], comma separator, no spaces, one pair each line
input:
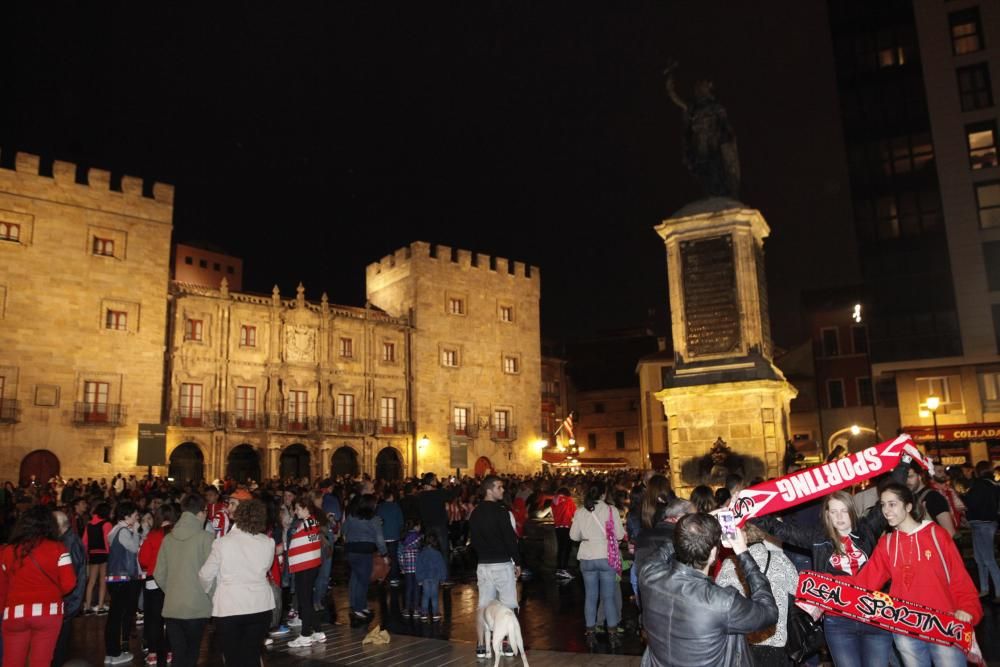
[268,642]
[122,658]
[87,611]
[279,631]
[360,615]
[369,613]
[395,583]
[482,653]
[317,637]
[422,616]
[506,649]
[300,642]
[103,609]
[436,617]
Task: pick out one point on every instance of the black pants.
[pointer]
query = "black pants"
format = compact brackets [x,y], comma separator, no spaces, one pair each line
[392,549]
[442,535]
[62,643]
[562,548]
[242,637]
[304,582]
[185,639]
[121,616]
[153,629]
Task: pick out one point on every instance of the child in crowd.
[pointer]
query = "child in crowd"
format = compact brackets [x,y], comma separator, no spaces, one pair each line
[431,570]
[409,548]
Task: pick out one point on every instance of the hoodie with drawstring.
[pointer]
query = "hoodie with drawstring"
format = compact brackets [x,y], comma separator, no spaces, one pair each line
[925,567]
[181,555]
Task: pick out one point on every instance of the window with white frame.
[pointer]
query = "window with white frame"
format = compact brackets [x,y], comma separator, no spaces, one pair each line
[387,413]
[345,409]
[104,247]
[193,329]
[460,419]
[248,336]
[449,357]
[501,422]
[116,320]
[95,400]
[947,389]
[511,364]
[989,383]
[190,401]
[456,305]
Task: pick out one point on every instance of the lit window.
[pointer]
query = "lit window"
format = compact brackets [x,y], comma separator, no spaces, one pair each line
[104,247]
[190,405]
[891,57]
[116,320]
[345,410]
[506,313]
[988,202]
[835,393]
[982,141]
[346,347]
[388,352]
[193,329]
[10,231]
[95,401]
[387,413]
[456,306]
[974,89]
[460,420]
[248,336]
[449,358]
[246,406]
[990,383]
[510,365]
[949,394]
[966,31]
[501,422]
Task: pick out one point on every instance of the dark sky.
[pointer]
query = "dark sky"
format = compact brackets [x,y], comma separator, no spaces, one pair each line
[313,141]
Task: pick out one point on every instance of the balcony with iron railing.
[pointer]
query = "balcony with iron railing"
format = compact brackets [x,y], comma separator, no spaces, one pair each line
[10,411]
[293,423]
[195,418]
[349,426]
[98,414]
[463,430]
[506,433]
[245,421]
[398,427]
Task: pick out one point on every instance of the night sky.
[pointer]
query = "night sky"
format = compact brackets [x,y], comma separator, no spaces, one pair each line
[312,142]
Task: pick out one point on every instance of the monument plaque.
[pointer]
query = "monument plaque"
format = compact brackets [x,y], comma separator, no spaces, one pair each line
[711,305]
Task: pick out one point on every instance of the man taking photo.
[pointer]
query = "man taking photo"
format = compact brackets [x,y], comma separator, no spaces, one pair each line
[689,619]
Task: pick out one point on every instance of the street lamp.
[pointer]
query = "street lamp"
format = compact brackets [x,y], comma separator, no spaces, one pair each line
[423,442]
[932,404]
[855,430]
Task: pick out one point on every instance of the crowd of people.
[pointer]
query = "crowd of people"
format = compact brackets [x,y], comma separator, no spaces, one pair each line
[253,560]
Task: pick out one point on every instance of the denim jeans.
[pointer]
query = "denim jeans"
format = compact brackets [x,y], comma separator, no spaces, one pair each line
[599,582]
[854,644]
[429,598]
[918,653]
[983,533]
[361,574]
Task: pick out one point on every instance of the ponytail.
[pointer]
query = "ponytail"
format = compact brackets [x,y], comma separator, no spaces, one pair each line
[594,493]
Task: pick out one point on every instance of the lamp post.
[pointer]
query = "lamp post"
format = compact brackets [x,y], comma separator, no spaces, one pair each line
[932,404]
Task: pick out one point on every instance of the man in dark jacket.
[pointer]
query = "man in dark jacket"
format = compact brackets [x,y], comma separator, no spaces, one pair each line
[433,515]
[73,601]
[982,502]
[690,620]
[492,536]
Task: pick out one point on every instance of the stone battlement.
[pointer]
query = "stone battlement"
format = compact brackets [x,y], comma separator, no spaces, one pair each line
[420,250]
[96,182]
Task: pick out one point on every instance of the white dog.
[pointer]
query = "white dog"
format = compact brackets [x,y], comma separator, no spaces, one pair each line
[495,622]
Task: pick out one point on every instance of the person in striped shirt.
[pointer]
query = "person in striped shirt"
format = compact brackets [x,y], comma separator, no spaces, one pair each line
[304,559]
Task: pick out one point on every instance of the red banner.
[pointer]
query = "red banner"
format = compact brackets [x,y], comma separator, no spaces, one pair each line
[886,612]
[804,485]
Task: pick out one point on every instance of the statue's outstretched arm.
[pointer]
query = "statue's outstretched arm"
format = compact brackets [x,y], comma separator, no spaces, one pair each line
[671,91]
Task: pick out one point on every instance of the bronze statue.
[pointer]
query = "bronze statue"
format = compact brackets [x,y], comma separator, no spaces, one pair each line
[710,151]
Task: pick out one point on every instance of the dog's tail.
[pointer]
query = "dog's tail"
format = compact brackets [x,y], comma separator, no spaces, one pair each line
[517,643]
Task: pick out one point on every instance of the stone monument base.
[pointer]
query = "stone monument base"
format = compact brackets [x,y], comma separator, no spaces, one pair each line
[750,416]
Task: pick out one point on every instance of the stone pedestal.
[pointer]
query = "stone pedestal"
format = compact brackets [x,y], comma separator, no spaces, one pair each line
[723,383]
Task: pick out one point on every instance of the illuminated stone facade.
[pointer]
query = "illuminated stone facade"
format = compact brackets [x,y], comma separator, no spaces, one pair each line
[83,310]
[475,354]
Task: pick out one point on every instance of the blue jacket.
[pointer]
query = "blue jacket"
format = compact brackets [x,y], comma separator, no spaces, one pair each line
[78,556]
[431,565]
[123,552]
[363,535]
[392,520]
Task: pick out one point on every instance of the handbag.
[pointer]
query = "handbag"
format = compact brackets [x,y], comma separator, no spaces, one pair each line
[614,552]
[380,568]
[805,635]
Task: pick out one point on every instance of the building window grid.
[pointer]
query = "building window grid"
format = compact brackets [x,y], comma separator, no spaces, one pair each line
[10,231]
[116,320]
[966,31]
[248,336]
[95,400]
[501,422]
[988,203]
[939,386]
[347,347]
[990,383]
[104,247]
[835,393]
[190,403]
[974,89]
[246,403]
[460,420]
[901,155]
[981,138]
[193,329]
[297,406]
[387,412]
[345,409]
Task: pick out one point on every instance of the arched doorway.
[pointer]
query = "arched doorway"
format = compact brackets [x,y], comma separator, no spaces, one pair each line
[41,463]
[345,462]
[243,464]
[388,465]
[187,464]
[483,467]
[294,462]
